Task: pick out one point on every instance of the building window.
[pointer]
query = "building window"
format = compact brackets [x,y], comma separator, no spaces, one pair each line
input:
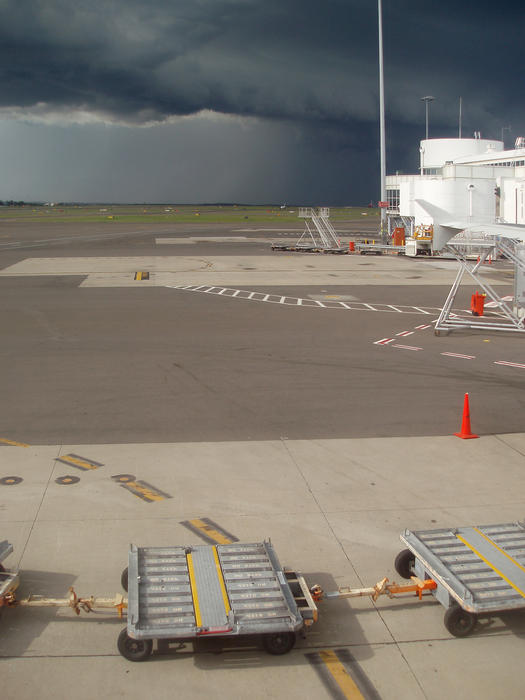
[392,197]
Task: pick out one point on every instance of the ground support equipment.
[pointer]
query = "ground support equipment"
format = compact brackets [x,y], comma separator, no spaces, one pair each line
[181,594]
[378,249]
[300,248]
[477,570]
[507,317]
[471,571]
[9,580]
[319,236]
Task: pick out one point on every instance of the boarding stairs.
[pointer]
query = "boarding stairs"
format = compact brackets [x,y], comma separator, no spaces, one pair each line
[319,232]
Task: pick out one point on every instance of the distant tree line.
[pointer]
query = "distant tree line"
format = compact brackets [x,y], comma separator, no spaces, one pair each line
[21,203]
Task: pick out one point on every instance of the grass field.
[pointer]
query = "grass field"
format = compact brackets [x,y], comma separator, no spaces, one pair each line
[170,213]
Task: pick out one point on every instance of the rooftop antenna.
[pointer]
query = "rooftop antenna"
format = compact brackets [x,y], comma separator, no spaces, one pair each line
[427,100]
[503,129]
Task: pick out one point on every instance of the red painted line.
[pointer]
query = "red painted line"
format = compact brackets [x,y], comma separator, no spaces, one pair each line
[421,328]
[456,354]
[509,364]
[406,333]
[384,341]
[406,347]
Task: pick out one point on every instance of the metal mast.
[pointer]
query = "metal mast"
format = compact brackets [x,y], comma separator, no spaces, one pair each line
[382,118]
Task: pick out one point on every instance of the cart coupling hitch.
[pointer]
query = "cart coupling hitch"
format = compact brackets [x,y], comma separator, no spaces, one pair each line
[383,587]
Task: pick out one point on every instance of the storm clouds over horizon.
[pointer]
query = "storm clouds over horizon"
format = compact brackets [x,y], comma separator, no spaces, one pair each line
[242,100]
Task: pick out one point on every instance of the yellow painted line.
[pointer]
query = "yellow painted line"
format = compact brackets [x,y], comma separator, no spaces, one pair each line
[341,676]
[194,595]
[78,462]
[221,581]
[488,563]
[490,541]
[12,442]
[210,532]
[142,490]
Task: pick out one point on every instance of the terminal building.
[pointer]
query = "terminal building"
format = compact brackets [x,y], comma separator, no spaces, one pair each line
[462,183]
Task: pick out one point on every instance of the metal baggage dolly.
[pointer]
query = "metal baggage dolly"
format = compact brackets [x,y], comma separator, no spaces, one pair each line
[9,580]
[477,570]
[181,594]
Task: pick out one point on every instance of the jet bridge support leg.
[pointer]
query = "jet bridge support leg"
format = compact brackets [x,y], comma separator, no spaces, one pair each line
[505,318]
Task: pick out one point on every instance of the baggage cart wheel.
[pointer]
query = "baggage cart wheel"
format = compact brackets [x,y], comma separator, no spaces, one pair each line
[280,643]
[124,579]
[404,563]
[459,622]
[134,649]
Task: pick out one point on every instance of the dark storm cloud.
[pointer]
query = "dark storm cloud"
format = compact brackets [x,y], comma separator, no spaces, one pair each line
[286,59]
[307,66]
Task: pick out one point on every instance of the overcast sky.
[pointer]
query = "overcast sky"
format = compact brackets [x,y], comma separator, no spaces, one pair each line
[242,100]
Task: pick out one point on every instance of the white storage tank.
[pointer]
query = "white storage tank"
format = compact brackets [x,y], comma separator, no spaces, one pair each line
[434,153]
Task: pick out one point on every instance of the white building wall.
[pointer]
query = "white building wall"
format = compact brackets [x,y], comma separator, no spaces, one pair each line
[513,200]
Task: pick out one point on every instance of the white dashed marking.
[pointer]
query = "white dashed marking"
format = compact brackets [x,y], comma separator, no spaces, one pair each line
[457,354]
[406,347]
[509,364]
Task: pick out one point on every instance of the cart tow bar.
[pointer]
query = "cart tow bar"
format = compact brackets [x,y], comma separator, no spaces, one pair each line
[87,605]
[382,587]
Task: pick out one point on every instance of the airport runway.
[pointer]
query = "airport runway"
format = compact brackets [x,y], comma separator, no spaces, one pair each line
[255,389]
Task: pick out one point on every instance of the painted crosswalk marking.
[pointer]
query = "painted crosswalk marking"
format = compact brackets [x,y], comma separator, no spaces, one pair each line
[296,301]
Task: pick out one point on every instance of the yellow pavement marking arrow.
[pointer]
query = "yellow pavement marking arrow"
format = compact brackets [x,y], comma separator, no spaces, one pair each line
[340,675]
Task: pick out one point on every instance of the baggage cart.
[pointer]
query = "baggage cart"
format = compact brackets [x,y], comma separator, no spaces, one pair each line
[478,570]
[185,593]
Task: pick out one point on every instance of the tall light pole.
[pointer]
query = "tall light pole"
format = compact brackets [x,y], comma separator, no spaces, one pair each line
[427,100]
[382,119]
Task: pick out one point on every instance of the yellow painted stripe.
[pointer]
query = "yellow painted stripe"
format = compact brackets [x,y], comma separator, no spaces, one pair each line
[491,541]
[12,442]
[79,462]
[221,581]
[210,531]
[488,563]
[341,676]
[152,495]
[194,595]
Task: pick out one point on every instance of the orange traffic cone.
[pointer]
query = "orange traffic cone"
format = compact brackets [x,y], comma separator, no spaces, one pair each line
[466,433]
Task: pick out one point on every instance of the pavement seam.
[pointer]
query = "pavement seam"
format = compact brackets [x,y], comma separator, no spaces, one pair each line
[51,472]
[512,447]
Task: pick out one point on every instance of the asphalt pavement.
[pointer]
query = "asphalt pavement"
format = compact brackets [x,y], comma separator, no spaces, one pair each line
[252,388]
